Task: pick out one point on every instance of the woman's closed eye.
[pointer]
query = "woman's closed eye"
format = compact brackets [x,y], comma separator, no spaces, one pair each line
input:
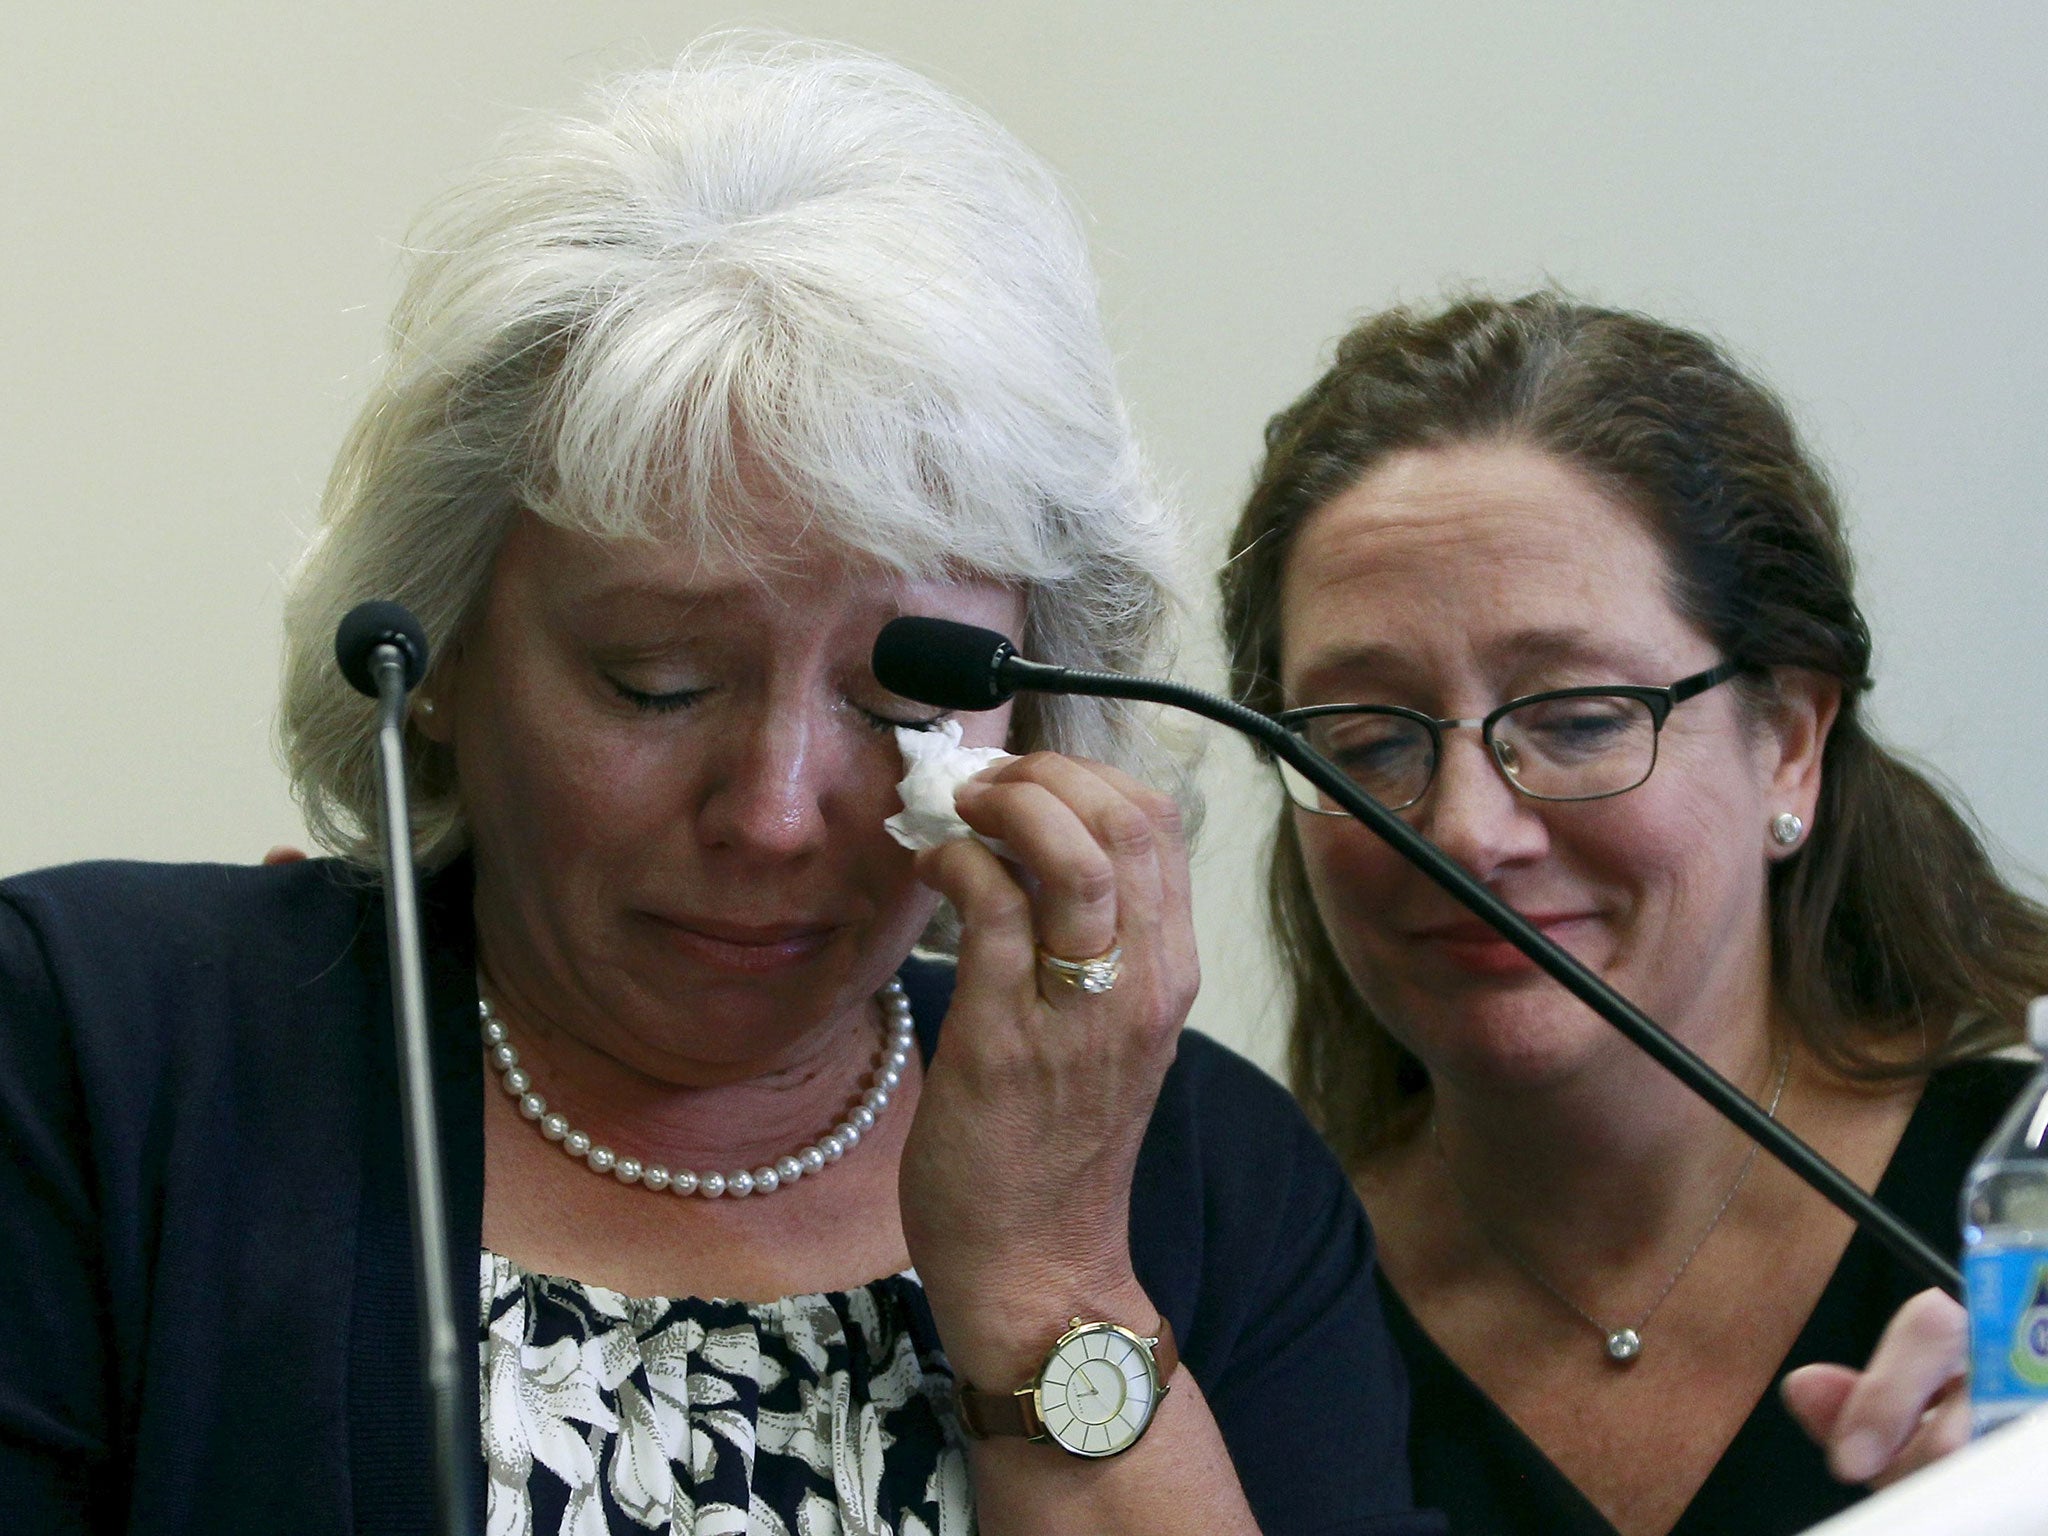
[673,700]
[665,701]
[886,722]
[1390,754]
[1370,743]
[1577,729]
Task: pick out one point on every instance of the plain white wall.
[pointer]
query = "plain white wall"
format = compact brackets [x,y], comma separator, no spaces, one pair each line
[203,207]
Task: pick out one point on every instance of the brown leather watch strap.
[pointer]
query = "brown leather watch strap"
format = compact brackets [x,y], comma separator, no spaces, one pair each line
[986,1414]
[1165,1355]
[983,1414]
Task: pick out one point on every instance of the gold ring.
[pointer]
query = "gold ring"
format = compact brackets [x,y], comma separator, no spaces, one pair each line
[1094,976]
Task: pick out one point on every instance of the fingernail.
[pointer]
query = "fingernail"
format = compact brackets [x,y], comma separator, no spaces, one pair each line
[1859,1457]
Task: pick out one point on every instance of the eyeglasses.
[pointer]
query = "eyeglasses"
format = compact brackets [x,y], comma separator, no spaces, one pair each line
[1567,744]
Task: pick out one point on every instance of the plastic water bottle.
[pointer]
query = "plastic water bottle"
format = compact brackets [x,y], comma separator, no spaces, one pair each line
[2005,1254]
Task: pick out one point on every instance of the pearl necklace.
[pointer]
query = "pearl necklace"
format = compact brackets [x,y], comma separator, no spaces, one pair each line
[1625,1343]
[899,1037]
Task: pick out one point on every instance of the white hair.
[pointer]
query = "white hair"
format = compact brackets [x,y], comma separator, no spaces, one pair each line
[798,256]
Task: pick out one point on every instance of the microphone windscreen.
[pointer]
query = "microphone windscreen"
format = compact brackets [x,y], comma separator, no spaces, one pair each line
[941,663]
[369,625]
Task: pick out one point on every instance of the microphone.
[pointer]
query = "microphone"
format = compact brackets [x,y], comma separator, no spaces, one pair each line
[949,665]
[370,625]
[960,666]
[382,651]
[957,666]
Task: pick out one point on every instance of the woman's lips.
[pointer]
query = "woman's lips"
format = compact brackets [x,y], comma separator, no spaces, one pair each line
[1472,946]
[751,948]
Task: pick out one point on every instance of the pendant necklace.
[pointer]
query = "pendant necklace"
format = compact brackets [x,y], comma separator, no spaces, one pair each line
[1624,1344]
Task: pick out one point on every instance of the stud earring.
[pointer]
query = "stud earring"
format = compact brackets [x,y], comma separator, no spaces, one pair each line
[424,706]
[1786,829]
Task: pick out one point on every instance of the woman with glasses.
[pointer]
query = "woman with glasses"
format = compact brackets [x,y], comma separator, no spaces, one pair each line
[1560,585]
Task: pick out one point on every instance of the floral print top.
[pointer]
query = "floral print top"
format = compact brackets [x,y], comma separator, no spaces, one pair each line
[824,1415]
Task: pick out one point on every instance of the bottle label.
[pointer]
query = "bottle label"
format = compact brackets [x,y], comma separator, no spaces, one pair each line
[2008,1324]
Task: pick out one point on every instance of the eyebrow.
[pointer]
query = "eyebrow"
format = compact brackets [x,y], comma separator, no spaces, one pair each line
[632,595]
[1526,647]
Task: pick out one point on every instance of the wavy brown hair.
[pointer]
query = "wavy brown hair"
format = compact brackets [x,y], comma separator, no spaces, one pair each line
[1896,945]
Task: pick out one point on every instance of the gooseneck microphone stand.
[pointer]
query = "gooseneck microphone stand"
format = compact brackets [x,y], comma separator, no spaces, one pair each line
[958,666]
[382,651]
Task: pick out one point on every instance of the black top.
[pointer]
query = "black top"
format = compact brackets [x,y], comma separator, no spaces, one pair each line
[1471,1461]
[208,1286]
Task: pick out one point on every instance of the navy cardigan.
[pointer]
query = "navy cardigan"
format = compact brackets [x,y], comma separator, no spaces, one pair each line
[206,1297]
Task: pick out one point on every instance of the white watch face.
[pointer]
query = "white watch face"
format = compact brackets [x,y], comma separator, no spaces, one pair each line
[1098,1390]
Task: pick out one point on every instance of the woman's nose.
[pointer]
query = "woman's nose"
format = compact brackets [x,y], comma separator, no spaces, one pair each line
[1474,814]
[768,786]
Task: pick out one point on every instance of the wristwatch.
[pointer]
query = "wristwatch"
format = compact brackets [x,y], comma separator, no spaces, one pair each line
[1094,1396]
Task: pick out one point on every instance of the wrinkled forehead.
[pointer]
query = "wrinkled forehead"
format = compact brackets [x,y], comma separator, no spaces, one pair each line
[1470,550]
[781,564]
[735,508]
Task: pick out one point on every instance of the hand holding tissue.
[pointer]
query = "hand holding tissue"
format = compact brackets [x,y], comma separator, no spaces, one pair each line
[935,765]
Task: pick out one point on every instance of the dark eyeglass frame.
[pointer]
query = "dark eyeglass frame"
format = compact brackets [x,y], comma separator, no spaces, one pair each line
[1659,701]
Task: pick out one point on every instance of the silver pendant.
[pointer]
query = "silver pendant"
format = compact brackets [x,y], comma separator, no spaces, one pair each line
[1623,1345]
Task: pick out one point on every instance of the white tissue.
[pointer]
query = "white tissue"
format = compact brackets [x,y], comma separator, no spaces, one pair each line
[935,765]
